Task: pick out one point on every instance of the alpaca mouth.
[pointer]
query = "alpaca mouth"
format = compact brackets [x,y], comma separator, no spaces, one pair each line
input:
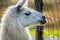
[36,24]
[42,22]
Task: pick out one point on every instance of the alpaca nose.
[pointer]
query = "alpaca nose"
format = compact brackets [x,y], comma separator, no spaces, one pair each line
[43,17]
[43,21]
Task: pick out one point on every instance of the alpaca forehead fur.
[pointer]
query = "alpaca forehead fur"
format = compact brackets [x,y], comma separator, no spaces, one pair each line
[13,22]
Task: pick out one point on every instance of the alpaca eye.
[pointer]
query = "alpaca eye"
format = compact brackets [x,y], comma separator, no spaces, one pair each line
[27,14]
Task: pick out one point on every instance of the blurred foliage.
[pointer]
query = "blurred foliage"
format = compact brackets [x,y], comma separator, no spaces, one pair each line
[32,32]
[47,6]
[51,33]
[2,0]
[58,22]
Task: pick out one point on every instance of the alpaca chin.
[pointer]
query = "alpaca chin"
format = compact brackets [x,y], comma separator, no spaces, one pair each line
[35,24]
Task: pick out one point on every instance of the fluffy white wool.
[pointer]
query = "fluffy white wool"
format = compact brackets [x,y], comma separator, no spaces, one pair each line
[10,29]
[13,23]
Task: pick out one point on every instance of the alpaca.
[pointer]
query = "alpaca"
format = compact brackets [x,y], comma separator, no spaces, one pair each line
[16,18]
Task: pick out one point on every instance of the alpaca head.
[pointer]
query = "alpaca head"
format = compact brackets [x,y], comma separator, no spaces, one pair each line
[27,16]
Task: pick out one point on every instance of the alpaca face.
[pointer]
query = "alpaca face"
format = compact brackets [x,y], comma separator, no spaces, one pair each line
[28,16]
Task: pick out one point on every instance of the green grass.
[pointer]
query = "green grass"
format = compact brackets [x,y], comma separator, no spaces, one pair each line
[32,32]
[53,33]
[47,33]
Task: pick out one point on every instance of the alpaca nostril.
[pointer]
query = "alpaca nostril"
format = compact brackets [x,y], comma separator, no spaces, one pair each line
[43,17]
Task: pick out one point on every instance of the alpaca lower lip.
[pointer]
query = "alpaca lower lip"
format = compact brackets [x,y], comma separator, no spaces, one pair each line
[42,22]
[35,24]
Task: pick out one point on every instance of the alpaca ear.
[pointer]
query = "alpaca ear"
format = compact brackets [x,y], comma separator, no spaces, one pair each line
[20,4]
